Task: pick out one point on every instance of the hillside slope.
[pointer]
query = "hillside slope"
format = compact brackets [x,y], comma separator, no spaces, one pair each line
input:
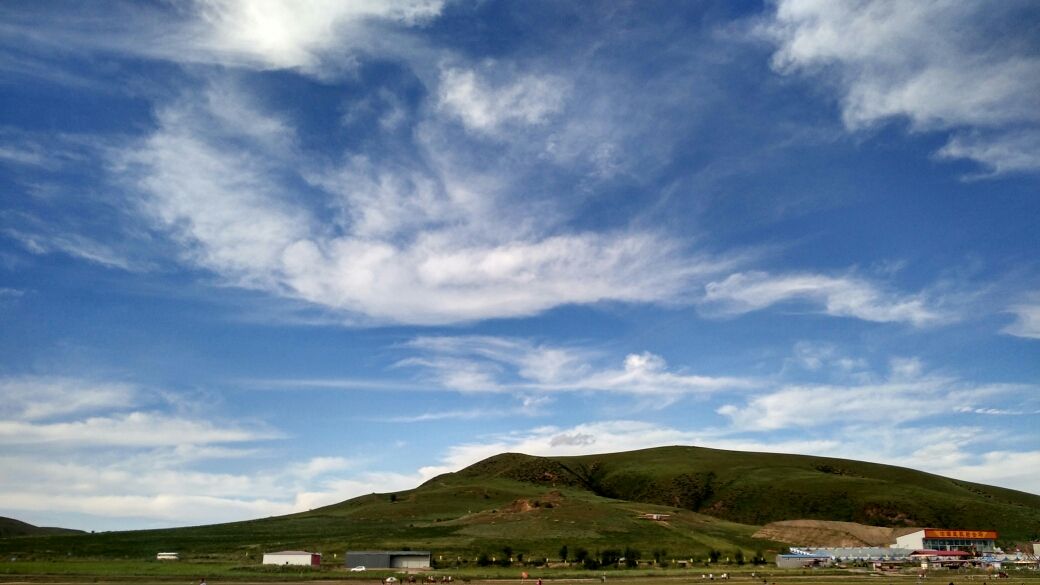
[9,527]
[758,488]
[535,505]
[828,533]
[463,517]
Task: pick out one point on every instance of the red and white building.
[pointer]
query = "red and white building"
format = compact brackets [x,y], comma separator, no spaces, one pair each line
[939,539]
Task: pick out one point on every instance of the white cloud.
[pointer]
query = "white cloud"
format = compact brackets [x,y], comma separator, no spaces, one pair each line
[292,34]
[496,364]
[410,245]
[843,296]
[908,393]
[135,429]
[815,357]
[966,67]
[312,36]
[74,245]
[31,398]
[87,447]
[1027,321]
[525,99]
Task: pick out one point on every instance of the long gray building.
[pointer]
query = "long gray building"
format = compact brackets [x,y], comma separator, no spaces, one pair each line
[388,559]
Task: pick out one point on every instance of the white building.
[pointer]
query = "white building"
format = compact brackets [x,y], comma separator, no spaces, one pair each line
[293,557]
[167,556]
[978,541]
[388,559]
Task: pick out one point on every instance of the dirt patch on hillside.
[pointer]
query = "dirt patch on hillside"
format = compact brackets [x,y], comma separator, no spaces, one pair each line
[825,533]
[549,500]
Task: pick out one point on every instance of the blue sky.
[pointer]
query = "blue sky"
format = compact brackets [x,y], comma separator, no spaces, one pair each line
[262,256]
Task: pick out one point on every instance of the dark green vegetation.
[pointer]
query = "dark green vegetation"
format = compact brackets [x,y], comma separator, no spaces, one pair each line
[531,508]
[758,488]
[12,527]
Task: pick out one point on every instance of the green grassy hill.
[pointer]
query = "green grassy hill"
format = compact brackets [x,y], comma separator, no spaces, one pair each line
[757,488]
[535,505]
[9,527]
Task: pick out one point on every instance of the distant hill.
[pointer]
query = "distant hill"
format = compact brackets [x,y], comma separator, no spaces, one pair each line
[9,527]
[708,499]
[758,488]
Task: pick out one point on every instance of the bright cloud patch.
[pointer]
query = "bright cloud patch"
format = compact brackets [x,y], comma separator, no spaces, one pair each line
[491,364]
[943,65]
[286,34]
[529,99]
[1027,321]
[906,394]
[837,296]
[409,245]
[90,447]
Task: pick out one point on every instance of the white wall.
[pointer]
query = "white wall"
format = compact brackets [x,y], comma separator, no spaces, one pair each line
[912,541]
[287,559]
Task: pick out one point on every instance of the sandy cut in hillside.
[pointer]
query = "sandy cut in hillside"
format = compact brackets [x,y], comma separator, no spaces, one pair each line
[826,533]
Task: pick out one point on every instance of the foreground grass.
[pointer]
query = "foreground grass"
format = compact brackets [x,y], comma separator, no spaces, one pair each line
[189,573]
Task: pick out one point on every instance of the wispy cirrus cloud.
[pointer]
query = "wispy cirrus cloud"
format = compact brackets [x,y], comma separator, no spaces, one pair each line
[838,296]
[68,412]
[113,451]
[969,68]
[525,100]
[418,244]
[1027,321]
[907,393]
[74,245]
[315,36]
[31,398]
[496,364]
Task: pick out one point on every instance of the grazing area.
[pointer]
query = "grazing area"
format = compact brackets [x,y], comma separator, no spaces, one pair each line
[664,511]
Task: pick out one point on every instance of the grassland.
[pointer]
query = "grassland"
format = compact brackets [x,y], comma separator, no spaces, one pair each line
[757,488]
[532,507]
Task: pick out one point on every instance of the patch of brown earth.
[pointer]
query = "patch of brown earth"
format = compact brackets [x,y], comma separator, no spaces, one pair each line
[548,500]
[826,533]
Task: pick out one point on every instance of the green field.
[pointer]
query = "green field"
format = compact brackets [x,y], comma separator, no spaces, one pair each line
[530,507]
[190,573]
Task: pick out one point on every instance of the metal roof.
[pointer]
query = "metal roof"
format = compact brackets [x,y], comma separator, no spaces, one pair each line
[388,552]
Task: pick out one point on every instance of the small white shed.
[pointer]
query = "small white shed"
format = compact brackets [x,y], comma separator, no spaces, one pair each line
[293,557]
[167,556]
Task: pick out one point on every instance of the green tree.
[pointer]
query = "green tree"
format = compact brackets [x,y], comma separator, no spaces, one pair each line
[484,560]
[563,553]
[580,555]
[738,557]
[713,556]
[609,557]
[631,557]
[659,555]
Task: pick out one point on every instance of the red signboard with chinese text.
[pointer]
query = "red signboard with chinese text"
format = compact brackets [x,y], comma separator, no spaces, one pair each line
[968,534]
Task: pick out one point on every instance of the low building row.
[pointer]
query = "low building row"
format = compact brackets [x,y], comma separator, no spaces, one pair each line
[362,560]
[930,547]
